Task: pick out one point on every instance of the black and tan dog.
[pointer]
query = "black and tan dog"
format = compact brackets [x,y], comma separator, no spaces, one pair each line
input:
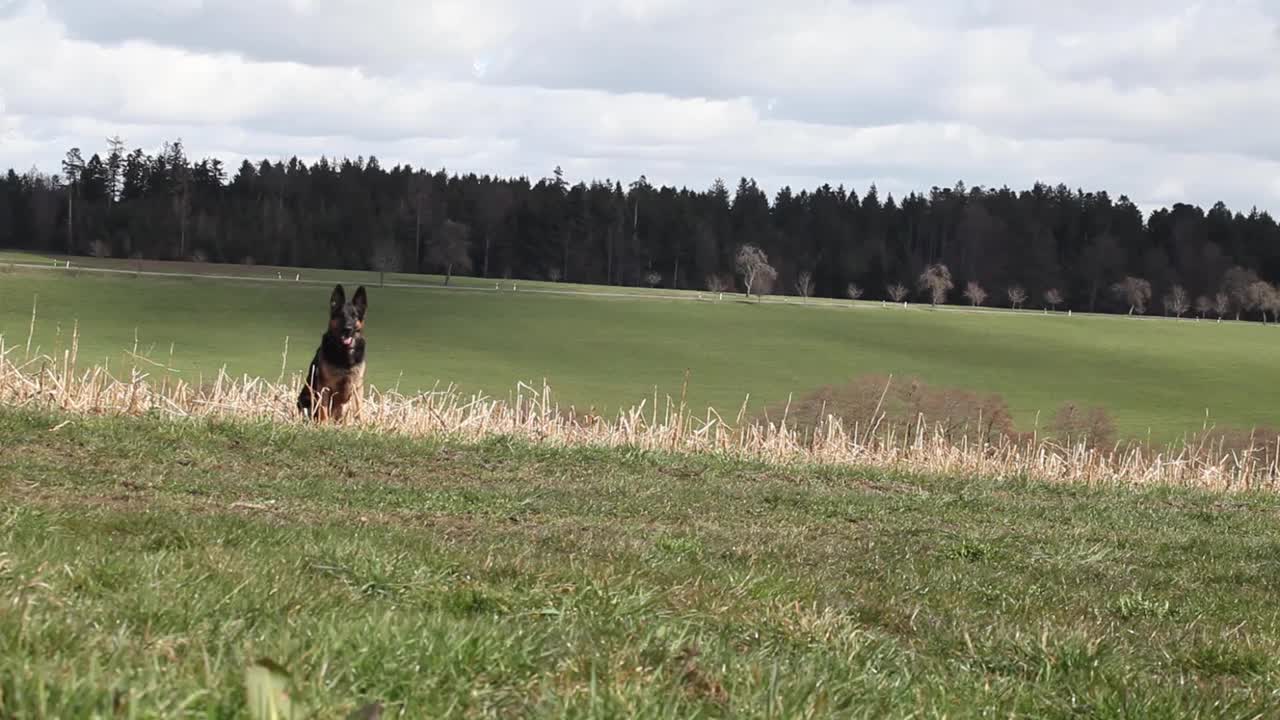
[335,381]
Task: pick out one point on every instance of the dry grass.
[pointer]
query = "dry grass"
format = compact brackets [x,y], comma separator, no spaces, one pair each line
[40,381]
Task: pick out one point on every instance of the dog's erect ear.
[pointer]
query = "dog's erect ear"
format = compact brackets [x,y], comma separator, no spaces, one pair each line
[338,298]
[361,301]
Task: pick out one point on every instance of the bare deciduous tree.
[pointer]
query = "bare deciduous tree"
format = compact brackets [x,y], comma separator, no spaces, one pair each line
[1017,296]
[1175,301]
[554,274]
[897,292]
[451,248]
[753,265]
[652,278]
[100,248]
[853,291]
[718,283]
[1203,306]
[1261,296]
[1221,305]
[1271,303]
[1135,291]
[936,280]
[974,293]
[1235,283]
[804,284]
[1053,298]
[765,283]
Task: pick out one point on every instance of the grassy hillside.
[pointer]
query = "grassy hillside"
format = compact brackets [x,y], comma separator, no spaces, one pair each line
[144,563]
[1154,376]
[318,275]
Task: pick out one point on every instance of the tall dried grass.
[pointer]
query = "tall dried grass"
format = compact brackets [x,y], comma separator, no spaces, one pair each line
[47,382]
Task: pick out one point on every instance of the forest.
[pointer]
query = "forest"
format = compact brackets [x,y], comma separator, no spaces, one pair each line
[1042,246]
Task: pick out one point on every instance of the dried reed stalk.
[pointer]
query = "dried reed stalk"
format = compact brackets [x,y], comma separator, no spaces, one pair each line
[531,413]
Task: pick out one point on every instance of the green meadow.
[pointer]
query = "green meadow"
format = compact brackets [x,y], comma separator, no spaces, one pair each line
[612,348]
[144,563]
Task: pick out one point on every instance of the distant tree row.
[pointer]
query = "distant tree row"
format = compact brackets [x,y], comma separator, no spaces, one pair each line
[1068,249]
[1242,292]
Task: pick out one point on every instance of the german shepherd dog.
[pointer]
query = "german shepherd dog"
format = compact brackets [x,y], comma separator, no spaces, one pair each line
[335,379]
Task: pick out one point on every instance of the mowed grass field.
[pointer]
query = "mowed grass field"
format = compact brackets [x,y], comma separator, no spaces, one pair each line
[143,564]
[610,348]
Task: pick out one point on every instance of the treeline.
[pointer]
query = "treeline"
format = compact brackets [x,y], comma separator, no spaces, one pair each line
[1046,245]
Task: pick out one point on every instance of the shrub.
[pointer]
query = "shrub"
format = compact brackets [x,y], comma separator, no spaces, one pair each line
[1263,443]
[1074,424]
[958,414]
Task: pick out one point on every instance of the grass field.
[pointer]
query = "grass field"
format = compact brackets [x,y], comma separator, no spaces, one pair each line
[143,563]
[321,275]
[1156,377]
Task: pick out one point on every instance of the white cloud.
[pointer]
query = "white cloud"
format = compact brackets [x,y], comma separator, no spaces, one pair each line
[1160,101]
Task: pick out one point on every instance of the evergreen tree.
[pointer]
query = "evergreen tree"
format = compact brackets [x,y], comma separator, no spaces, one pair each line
[356,213]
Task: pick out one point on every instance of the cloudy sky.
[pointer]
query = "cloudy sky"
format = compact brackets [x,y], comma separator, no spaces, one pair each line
[1161,100]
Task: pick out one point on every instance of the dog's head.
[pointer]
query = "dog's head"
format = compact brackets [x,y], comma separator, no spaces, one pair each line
[346,317]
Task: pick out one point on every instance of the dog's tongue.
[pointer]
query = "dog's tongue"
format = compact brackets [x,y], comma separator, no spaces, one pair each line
[348,341]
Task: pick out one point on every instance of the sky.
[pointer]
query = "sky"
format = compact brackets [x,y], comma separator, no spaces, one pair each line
[1162,101]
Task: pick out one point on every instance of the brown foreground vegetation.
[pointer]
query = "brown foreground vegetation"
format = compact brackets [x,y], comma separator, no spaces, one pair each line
[879,422]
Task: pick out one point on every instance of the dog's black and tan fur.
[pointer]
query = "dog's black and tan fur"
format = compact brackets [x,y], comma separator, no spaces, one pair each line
[335,381]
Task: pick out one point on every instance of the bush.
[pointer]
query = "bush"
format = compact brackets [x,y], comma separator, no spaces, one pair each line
[1261,442]
[960,415]
[1074,424]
